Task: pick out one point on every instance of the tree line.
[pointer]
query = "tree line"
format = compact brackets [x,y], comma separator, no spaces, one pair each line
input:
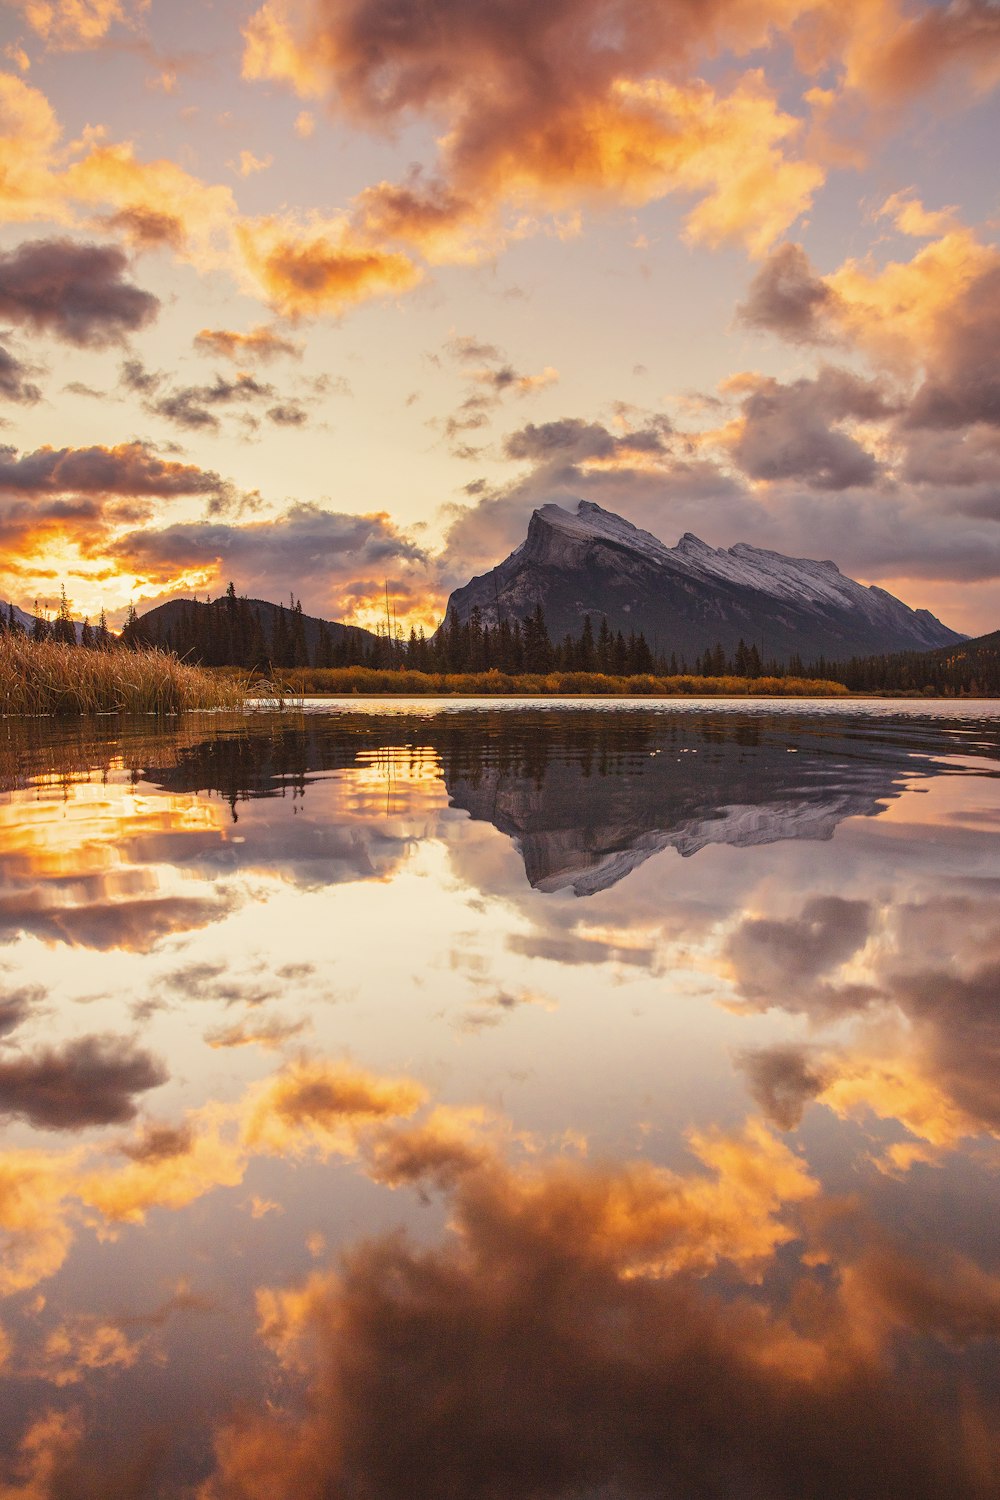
[233,631]
[61,628]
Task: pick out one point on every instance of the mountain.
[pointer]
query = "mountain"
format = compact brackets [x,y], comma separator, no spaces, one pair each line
[685,599]
[161,624]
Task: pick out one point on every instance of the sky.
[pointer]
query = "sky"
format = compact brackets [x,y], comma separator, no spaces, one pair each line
[325,296]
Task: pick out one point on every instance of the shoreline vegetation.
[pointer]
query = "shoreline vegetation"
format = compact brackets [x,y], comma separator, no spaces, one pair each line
[371,682]
[57,679]
[54,679]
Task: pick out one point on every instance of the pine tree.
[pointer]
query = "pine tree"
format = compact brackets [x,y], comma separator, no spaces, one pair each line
[63,629]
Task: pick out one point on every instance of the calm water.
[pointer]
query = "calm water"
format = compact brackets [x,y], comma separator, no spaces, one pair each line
[486,1104]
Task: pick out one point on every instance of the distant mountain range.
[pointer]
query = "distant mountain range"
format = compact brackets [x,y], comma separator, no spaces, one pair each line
[27,622]
[687,598]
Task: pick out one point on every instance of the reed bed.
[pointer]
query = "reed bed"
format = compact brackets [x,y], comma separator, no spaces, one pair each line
[45,677]
[372,682]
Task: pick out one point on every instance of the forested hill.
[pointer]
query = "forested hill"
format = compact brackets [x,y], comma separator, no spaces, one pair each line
[969,667]
[240,632]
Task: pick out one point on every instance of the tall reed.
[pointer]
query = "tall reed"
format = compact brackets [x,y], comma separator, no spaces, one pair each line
[45,677]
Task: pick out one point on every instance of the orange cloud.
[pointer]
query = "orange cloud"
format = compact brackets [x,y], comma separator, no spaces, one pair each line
[111,176]
[316,1107]
[582,122]
[260,343]
[319,269]
[29,133]
[71,24]
[565,1297]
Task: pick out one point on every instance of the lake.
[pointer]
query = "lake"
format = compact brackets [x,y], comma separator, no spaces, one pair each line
[493,1101]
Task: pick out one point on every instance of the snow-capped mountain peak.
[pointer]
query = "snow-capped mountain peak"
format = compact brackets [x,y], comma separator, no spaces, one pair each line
[586,560]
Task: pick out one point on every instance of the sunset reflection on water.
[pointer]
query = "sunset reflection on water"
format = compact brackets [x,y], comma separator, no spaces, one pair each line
[483,1103]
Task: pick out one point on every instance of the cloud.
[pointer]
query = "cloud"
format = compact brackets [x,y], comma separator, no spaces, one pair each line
[788,962]
[193,407]
[547,112]
[129,469]
[134,925]
[912,54]
[791,432]
[68,25]
[159,1143]
[14,382]
[309,271]
[569,1337]
[638,467]
[904,315]
[154,202]
[267,1033]
[77,292]
[489,379]
[249,164]
[786,297]
[18,1006]
[316,1106]
[29,133]
[782,1081]
[303,549]
[288,414]
[259,344]
[147,228]
[91,1081]
[962,385]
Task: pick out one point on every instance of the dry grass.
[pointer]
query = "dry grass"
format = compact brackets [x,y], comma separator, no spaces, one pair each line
[345,681]
[41,677]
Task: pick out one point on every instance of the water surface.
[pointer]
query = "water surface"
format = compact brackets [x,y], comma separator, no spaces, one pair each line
[530,1101]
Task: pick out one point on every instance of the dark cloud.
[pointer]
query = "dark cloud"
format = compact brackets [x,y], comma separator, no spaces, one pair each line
[80,388]
[159,1143]
[787,298]
[288,414]
[782,1080]
[147,229]
[197,407]
[131,469]
[571,440]
[790,432]
[18,1005]
[135,926]
[91,1081]
[948,459]
[963,381]
[958,1032]
[306,544]
[194,407]
[77,292]
[785,963]
[470,350]
[14,382]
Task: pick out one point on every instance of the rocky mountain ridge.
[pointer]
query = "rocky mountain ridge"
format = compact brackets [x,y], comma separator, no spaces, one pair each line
[687,598]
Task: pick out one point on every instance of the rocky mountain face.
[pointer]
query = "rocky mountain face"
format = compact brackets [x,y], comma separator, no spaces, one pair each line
[685,599]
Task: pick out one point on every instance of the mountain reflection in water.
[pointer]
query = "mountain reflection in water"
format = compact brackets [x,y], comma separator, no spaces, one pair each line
[348,1153]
